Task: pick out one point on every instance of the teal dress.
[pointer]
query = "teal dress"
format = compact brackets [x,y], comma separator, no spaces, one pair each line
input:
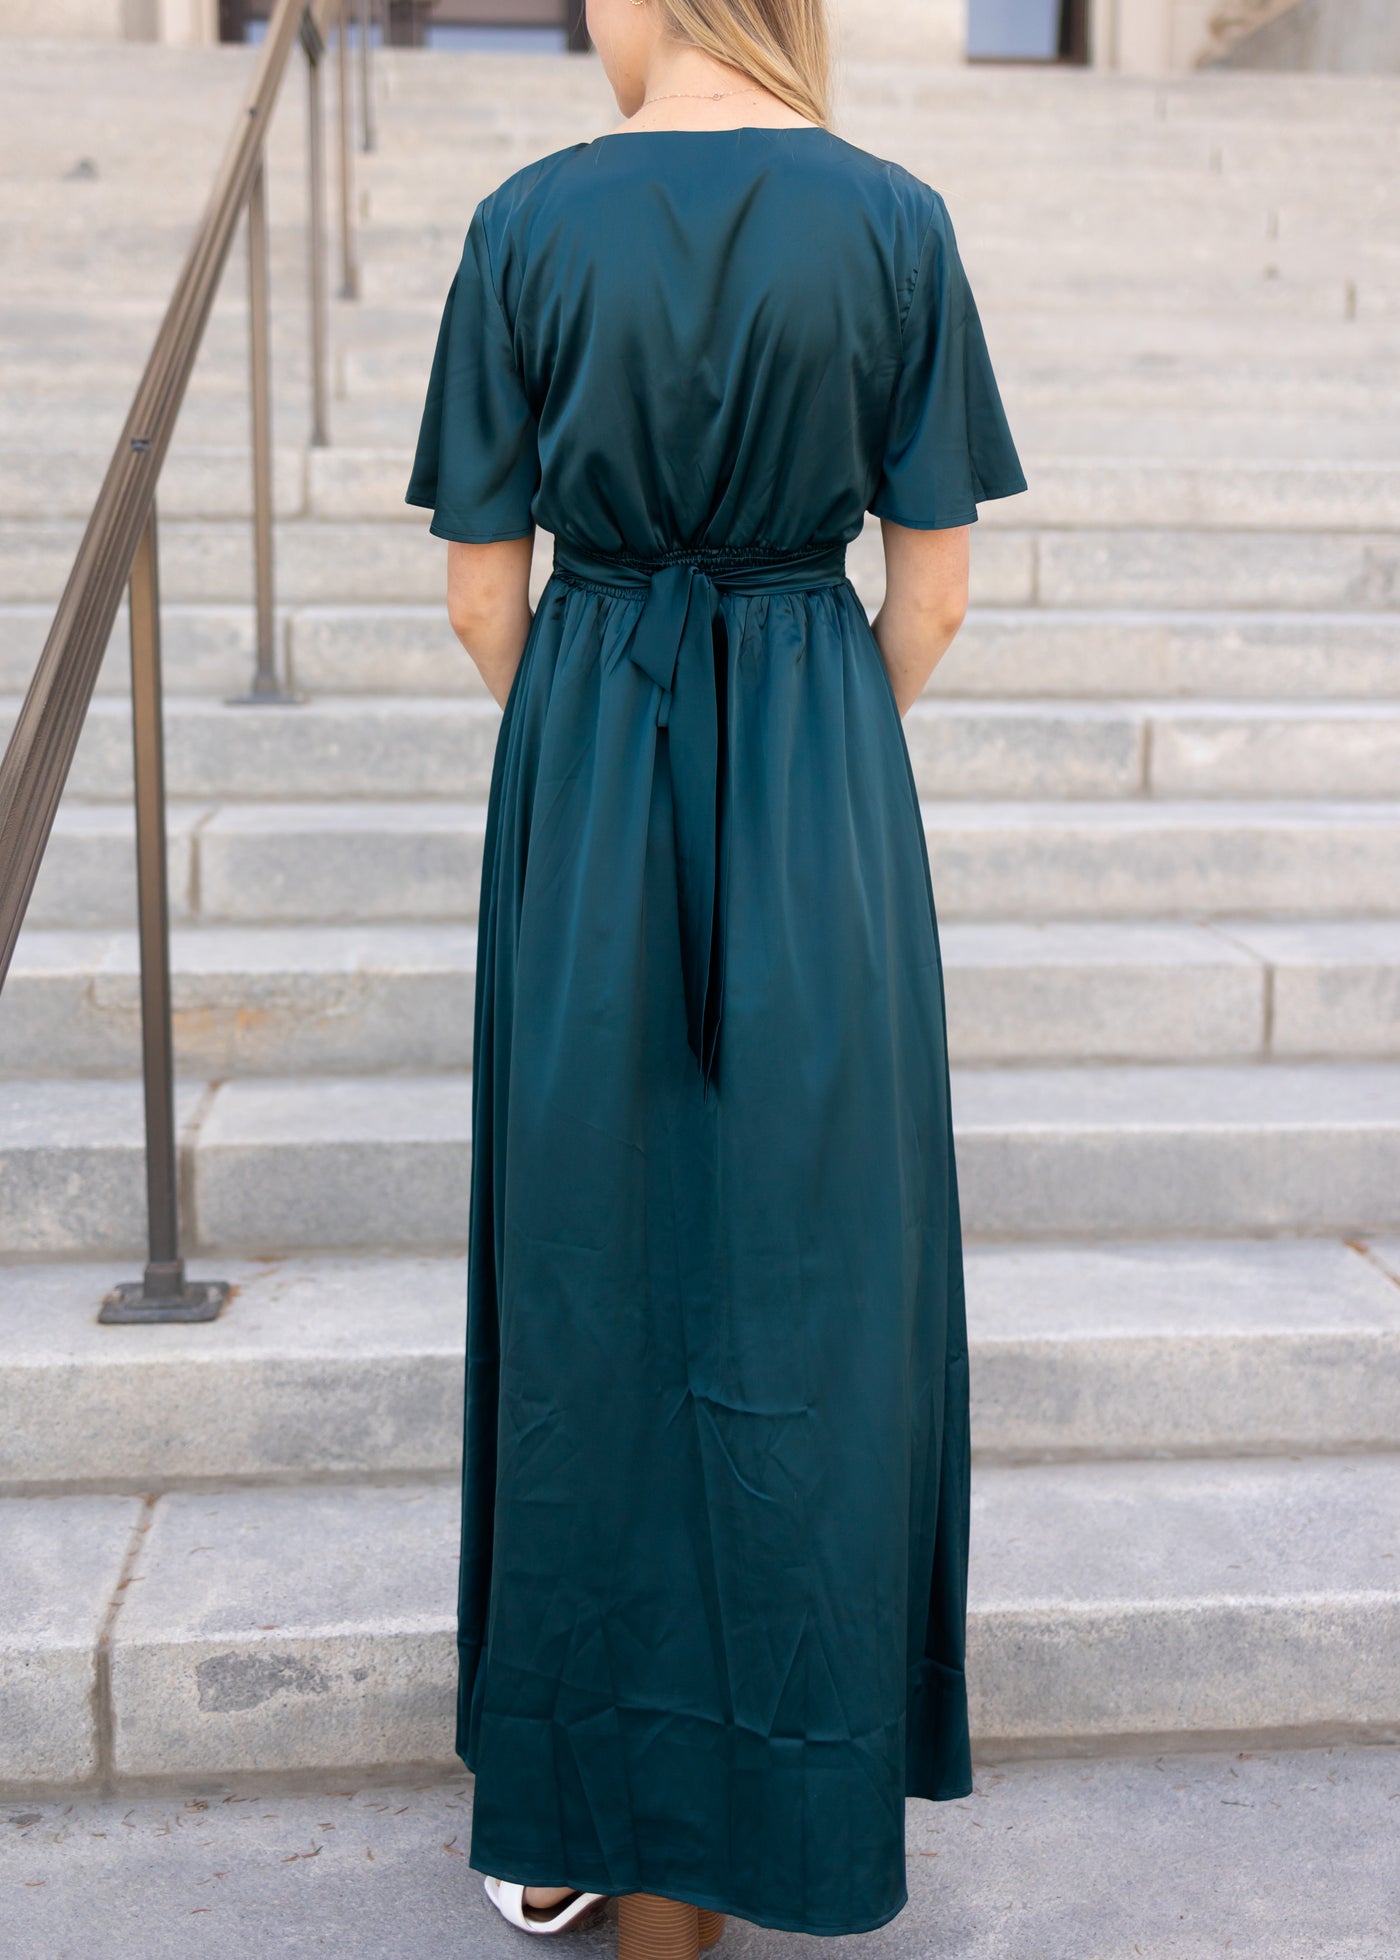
[715,1490]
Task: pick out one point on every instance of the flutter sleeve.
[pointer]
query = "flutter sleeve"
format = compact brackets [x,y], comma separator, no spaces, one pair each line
[477,462]
[947,444]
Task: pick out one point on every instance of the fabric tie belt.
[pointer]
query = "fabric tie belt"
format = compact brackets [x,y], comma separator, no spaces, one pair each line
[678,639]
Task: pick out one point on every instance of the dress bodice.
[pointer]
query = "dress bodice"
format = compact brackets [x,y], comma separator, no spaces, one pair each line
[722,338]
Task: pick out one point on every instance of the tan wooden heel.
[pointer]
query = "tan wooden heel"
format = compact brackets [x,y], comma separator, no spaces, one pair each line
[652,1928]
[711,1927]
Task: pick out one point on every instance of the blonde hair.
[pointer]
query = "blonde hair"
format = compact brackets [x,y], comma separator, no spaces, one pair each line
[784,45]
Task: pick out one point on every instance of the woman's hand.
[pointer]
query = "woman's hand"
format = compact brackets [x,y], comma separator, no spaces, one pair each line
[925,603]
[488,605]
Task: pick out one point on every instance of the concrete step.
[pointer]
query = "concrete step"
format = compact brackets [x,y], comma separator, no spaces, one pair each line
[85,355]
[44,341]
[311,1627]
[414,80]
[61,427]
[1214,569]
[1224,1599]
[1004,652]
[1156,113]
[1156,434]
[497,115]
[1302,287]
[1201,218]
[1001,652]
[198,480]
[249,1000]
[490,97]
[1073,426]
[1098,991]
[1223,748]
[1197,214]
[1263,283]
[1324,370]
[492,100]
[1146,495]
[421,747]
[322,562]
[365,862]
[1284,1853]
[1123,379]
[99,340]
[267,1163]
[1086,652]
[269,863]
[380,746]
[484,135]
[1162,109]
[277,1164]
[336,562]
[212,480]
[1257,201]
[1153,859]
[324,1368]
[1189,1148]
[269,1000]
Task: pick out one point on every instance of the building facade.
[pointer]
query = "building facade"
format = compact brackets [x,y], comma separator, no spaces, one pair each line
[1132,36]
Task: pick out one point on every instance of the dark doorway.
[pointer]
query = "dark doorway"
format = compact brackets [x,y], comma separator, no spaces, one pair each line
[1074,31]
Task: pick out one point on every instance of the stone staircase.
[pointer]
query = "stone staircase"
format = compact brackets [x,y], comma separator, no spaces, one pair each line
[1161,779]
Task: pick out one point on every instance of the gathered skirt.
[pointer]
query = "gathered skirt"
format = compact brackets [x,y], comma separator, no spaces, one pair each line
[716,1470]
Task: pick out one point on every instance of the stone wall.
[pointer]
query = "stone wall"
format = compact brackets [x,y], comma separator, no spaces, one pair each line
[1136,36]
[1149,37]
[1359,37]
[864,30]
[1235,20]
[899,30]
[177,21]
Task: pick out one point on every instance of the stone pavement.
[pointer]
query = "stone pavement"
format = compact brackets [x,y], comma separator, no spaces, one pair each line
[1256,1855]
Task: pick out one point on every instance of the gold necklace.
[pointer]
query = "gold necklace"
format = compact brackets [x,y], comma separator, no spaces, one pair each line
[697,95]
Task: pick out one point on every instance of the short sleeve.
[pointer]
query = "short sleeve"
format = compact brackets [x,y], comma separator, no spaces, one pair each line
[947,444]
[477,462]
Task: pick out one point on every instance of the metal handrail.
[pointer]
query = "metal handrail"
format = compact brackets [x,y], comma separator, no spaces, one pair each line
[119,549]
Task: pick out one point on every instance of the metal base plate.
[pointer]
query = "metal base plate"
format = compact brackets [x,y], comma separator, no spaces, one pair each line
[197,1299]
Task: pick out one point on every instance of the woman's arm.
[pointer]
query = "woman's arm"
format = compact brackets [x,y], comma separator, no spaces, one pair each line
[488,605]
[925,603]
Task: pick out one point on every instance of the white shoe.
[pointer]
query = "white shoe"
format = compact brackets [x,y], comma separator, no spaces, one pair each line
[509,1901]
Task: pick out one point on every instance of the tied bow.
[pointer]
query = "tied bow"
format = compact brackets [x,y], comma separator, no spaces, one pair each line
[679,639]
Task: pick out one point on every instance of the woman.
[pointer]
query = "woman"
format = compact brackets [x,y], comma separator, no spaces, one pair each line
[714,1540]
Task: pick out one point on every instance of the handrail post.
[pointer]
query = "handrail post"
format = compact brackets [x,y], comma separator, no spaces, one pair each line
[117,554]
[369,135]
[349,269]
[163,1293]
[315,137]
[266,688]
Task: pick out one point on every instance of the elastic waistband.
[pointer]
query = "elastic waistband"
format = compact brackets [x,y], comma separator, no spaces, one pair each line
[733,568]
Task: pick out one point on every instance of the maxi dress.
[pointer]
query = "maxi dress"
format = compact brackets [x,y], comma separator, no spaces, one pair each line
[716,1450]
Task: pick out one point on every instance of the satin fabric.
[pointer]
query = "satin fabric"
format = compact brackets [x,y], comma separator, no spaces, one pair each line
[711,1621]
[677,640]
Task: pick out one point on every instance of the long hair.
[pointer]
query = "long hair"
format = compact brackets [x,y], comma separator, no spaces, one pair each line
[783,44]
